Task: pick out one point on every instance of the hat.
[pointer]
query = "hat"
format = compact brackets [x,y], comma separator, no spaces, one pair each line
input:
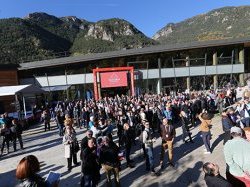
[236,130]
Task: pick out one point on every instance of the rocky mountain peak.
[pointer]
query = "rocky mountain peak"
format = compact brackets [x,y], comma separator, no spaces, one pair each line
[218,24]
[164,32]
[110,29]
[37,16]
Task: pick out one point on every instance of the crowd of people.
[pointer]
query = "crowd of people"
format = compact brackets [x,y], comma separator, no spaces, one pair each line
[145,118]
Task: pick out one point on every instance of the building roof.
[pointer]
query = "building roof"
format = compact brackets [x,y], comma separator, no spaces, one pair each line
[9,66]
[131,52]
[24,89]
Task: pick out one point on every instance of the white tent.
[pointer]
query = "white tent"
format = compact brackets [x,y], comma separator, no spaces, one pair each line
[22,89]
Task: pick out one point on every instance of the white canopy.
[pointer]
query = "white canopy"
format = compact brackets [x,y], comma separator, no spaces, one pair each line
[24,89]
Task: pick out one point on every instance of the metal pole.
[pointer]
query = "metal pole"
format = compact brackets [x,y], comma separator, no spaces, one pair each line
[232,61]
[174,73]
[84,86]
[147,78]
[66,77]
[204,78]
[188,78]
[159,85]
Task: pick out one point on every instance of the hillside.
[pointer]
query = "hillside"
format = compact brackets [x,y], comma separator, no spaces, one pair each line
[218,24]
[43,36]
[21,40]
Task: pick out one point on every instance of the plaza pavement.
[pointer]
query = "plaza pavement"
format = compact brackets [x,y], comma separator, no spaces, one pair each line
[48,147]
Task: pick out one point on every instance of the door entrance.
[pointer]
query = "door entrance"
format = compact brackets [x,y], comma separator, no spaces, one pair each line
[111,92]
[113,81]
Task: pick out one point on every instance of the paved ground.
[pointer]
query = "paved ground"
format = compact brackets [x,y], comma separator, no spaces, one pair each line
[48,147]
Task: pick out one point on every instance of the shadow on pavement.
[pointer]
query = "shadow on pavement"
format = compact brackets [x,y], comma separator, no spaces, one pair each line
[189,176]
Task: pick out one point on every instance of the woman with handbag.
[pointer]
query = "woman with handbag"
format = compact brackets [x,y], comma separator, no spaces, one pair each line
[70,144]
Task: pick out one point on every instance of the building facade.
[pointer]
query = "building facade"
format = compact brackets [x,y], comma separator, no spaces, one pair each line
[197,65]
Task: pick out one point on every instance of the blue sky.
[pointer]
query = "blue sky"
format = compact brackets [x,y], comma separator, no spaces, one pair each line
[147,15]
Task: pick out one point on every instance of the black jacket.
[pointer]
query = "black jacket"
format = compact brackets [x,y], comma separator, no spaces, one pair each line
[216,181]
[34,181]
[16,129]
[90,163]
[109,155]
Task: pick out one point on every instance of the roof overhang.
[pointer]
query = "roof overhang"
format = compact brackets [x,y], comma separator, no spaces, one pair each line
[131,52]
[23,89]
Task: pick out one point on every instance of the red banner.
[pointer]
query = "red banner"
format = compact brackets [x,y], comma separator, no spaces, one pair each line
[114,79]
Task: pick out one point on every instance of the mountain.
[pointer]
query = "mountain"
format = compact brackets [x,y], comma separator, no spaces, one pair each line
[20,39]
[42,36]
[107,35]
[218,24]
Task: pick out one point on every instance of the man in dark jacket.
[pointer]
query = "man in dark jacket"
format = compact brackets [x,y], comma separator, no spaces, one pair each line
[213,177]
[167,135]
[6,133]
[226,126]
[16,130]
[84,142]
[128,138]
[90,165]
[110,161]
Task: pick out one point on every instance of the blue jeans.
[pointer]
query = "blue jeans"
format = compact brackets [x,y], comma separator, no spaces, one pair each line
[206,136]
[149,158]
[60,126]
[246,122]
[87,181]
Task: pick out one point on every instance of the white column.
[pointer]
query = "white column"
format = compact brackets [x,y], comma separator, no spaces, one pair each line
[241,61]
[159,82]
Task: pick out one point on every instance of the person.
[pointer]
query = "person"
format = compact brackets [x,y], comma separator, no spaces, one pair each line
[6,133]
[168,112]
[7,119]
[70,141]
[68,121]
[60,121]
[213,177]
[46,118]
[205,119]
[167,134]
[247,133]
[91,122]
[26,172]
[227,124]
[84,142]
[128,139]
[236,152]
[185,127]
[95,130]
[90,165]
[148,142]
[110,161]
[17,130]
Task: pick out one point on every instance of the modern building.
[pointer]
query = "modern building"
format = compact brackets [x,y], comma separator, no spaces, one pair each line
[196,65]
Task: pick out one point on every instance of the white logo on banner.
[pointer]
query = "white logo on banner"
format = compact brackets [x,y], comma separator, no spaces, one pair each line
[114,78]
